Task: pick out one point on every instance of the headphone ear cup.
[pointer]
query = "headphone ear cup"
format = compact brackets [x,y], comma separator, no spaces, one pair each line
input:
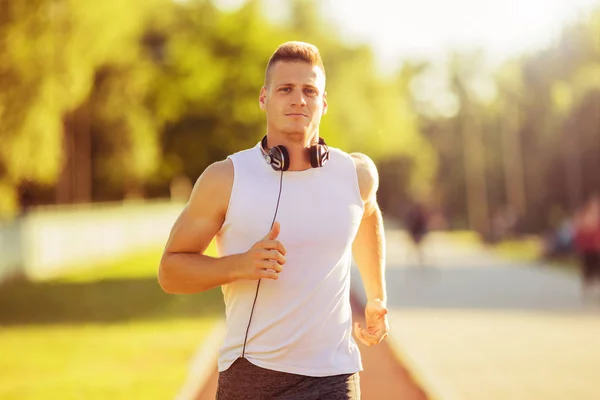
[280,158]
[314,156]
[319,154]
[285,158]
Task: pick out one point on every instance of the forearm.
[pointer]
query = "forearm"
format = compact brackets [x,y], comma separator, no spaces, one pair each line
[187,273]
[369,254]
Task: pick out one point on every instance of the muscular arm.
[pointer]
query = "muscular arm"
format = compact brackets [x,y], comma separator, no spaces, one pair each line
[185,269]
[183,266]
[369,245]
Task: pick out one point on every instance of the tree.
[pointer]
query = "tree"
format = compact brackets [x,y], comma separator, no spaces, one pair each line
[51,53]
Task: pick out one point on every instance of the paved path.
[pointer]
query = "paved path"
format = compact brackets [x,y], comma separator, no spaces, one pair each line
[479,327]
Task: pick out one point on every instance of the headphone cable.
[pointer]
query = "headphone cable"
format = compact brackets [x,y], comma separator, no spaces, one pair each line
[258,284]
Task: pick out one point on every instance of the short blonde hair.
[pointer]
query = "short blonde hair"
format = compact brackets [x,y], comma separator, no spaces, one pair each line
[295,51]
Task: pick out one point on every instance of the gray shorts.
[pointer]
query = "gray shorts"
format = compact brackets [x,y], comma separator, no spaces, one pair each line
[244,380]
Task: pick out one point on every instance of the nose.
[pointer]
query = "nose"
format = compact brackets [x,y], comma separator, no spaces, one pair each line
[298,99]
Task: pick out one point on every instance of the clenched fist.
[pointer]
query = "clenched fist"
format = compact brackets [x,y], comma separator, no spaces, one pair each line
[265,259]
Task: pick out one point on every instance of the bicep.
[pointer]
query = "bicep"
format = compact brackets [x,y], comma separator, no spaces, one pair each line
[192,233]
[203,215]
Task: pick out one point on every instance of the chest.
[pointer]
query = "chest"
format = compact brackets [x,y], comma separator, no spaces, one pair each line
[312,210]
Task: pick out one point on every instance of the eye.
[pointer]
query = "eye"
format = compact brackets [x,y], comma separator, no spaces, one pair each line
[285,89]
[311,92]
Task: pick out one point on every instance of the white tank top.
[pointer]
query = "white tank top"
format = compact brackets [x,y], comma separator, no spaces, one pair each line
[302,322]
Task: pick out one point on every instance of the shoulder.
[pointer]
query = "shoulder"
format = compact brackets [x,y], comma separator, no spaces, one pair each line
[220,174]
[214,184]
[368,177]
[216,173]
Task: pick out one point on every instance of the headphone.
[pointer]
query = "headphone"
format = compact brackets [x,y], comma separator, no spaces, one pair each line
[279,158]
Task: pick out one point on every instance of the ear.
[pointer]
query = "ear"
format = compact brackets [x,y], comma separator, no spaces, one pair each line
[262,98]
[324,103]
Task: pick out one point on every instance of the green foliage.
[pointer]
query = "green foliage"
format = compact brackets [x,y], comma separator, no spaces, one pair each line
[207,85]
[166,88]
[134,94]
[50,56]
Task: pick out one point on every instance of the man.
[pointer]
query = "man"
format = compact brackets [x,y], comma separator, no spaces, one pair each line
[287,216]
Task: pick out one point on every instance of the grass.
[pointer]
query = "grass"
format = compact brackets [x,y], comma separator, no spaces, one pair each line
[523,249]
[136,360]
[464,237]
[103,332]
[467,239]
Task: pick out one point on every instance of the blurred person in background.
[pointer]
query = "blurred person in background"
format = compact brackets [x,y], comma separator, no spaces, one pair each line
[287,215]
[416,223]
[587,245]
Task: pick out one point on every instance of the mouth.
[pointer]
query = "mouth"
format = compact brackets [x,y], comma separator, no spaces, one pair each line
[296,115]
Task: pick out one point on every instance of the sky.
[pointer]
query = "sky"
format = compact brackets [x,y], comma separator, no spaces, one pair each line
[401,29]
[426,28]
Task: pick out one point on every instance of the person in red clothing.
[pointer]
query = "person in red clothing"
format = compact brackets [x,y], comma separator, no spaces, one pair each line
[587,244]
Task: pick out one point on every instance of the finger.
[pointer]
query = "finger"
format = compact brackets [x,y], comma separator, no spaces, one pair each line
[373,338]
[268,274]
[358,332]
[272,255]
[271,265]
[382,334]
[373,334]
[370,337]
[274,245]
[274,232]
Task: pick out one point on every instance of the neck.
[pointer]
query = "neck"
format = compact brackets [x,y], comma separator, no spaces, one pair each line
[297,146]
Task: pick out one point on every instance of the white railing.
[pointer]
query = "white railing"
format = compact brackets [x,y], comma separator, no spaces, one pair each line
[50,239]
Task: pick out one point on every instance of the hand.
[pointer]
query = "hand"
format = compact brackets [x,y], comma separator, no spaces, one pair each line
[265,259]
[376,322]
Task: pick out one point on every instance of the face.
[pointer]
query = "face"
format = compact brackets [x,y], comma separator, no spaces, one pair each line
[294,99]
